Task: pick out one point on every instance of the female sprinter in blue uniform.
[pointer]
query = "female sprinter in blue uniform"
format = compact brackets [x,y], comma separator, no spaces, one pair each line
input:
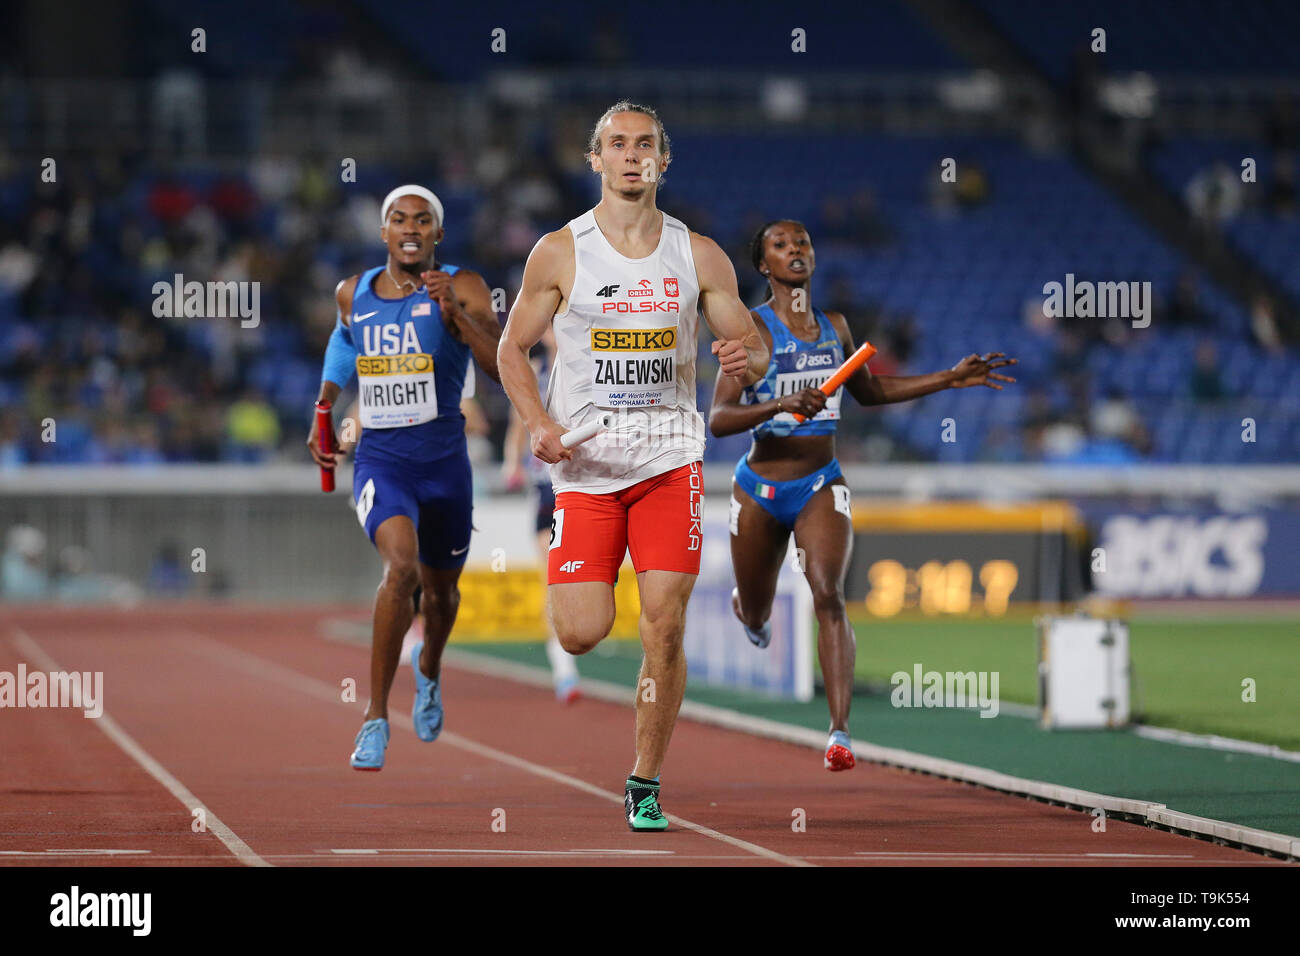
[406,330]
[790,480]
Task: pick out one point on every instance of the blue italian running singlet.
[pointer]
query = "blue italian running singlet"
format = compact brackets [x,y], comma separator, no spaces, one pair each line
[796,364]
[412,458]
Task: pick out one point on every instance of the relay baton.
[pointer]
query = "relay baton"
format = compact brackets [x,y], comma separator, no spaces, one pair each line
[842,374]
[587,431]
[325,437]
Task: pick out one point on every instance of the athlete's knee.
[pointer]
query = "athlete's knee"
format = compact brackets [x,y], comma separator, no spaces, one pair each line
[828,599]
[578,637]
[440,600]
[580,620]
[402,575]
[663,628]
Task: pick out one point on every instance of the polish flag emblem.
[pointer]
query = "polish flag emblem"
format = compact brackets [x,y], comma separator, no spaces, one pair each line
[670,286]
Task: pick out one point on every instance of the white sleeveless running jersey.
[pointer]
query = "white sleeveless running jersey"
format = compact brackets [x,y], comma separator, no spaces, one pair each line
[626,345]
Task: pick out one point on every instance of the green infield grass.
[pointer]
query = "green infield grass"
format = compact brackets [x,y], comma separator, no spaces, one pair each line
[1188,672]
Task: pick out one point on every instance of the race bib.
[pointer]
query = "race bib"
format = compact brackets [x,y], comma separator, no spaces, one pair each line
[633,368]
[396,390]
[796,371]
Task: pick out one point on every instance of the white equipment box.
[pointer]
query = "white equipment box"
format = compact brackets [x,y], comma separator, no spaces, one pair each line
[1083,673]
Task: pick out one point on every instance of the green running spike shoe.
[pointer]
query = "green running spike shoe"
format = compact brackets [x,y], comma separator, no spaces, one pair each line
[641,804]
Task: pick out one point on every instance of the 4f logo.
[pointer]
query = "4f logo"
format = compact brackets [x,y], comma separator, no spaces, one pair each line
[608,290]
[670,286]
[569,567]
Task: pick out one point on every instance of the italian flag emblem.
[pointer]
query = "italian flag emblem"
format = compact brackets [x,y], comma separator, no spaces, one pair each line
[766,491]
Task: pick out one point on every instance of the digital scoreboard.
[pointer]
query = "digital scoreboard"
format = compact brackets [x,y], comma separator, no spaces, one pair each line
[964,558]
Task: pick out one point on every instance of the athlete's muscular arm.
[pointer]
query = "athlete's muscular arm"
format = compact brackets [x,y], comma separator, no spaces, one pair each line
[513,451]
[466,305]
[728,416]
[329,391]
[739,348]
[871,389]
[548,272]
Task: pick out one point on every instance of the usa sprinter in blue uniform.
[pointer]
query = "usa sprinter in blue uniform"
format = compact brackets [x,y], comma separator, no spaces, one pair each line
[406,331]
[790,480]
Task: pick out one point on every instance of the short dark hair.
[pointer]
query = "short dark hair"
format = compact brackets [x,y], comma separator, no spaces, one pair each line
[756,244]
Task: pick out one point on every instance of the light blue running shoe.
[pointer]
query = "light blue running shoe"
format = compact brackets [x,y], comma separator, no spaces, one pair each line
[371,743]
[760,638]
[427,714]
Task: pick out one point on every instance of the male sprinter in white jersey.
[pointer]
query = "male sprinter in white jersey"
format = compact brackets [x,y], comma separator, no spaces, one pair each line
[623,286]
[406,330]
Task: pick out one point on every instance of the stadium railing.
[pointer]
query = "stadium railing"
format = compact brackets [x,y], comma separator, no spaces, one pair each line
[268,533]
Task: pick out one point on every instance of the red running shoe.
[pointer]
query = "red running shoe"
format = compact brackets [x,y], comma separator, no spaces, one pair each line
[838,757]
[567,692]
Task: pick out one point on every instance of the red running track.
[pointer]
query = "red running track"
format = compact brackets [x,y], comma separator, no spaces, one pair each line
[240,713]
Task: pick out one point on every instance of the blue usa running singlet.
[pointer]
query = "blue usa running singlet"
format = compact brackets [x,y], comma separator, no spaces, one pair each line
[797,365]
[410,375]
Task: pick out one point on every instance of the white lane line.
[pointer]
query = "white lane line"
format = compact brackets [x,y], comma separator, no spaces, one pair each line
[242,851]
[87,852]
[499,851]
[960,855]
[1215,742]
[1074,860]
[263,668]
[323,858]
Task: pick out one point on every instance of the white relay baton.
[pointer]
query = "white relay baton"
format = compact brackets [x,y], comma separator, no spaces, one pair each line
[587,431]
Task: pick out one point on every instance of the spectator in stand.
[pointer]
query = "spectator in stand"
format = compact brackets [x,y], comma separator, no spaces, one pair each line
[1281,199]
[12,452]
[1206,384]
[23,573]
[1283,128]
[968,191]
[1215,195]
[252,428]
[167,576]
[1263,325]
[1115,419]
[1184,308]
